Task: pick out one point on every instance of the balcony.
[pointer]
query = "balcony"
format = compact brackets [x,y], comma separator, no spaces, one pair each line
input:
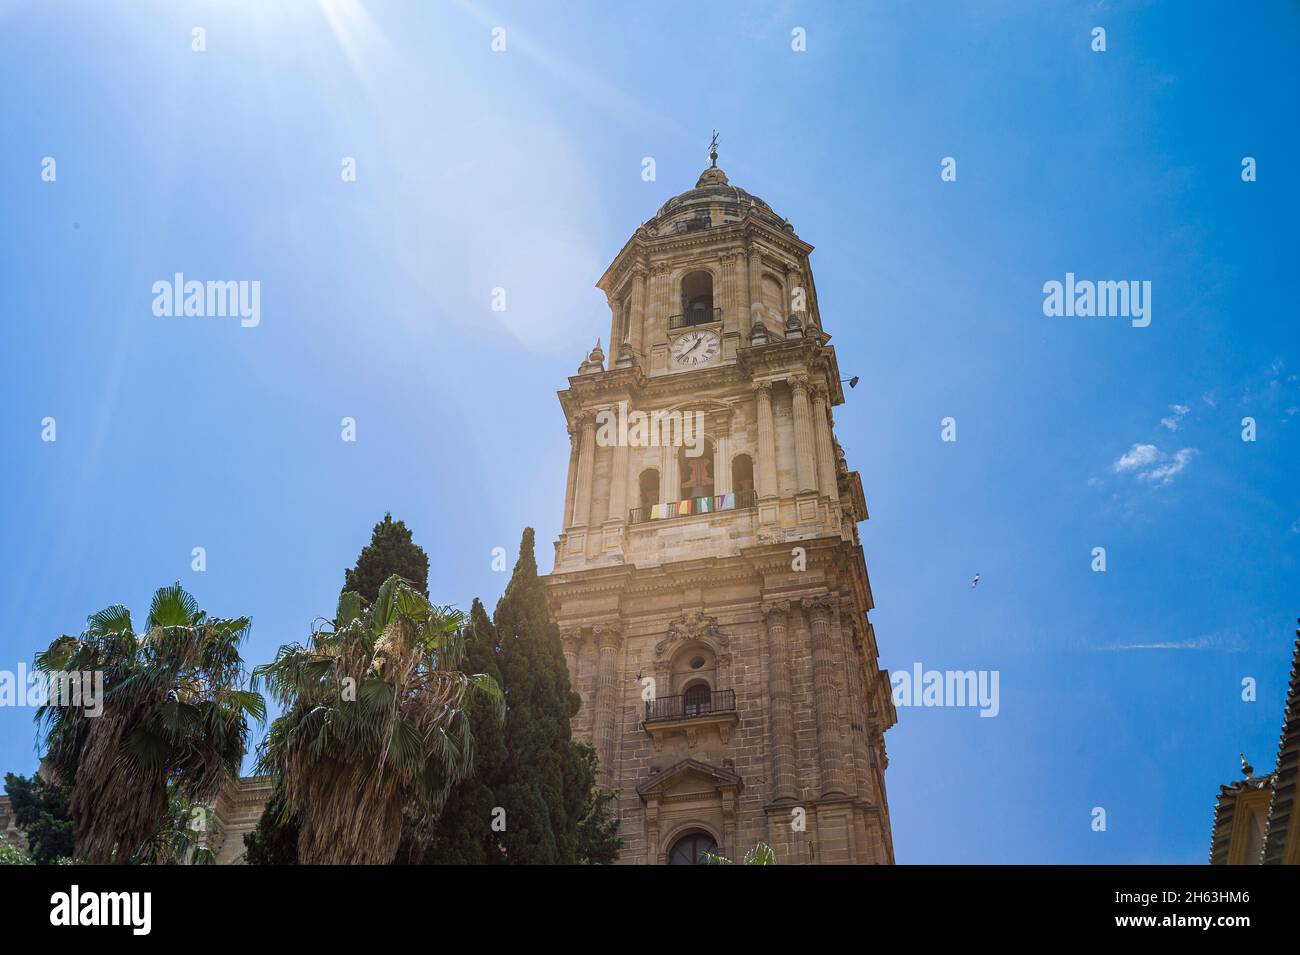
[689,715]
[690,706]
[693,506]
[695,316]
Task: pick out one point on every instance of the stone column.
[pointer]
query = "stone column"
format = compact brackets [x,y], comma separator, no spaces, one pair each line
[857,710]
[722,454]
[755,287]
[586,424]
[776,614]
[615,323]
[740,269]
[825,452]
[618,484]
[804,460]
[830,750]
[636,331]
[793,280]
[609,638]
[670,476]
[656,324]
[572,643]
[570,480]
[727,299]
[765,478]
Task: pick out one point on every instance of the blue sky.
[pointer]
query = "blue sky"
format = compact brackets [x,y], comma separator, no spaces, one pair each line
[522,170]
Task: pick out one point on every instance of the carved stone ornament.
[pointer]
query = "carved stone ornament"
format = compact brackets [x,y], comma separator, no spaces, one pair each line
[689,627]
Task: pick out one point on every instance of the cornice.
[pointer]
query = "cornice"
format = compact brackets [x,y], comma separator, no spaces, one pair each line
[646,248]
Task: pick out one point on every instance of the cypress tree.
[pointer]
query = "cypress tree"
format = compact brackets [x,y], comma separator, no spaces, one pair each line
[390,551]
[533,769]
[463,834]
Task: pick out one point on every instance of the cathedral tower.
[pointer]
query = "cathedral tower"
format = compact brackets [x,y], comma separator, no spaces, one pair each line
[709,583]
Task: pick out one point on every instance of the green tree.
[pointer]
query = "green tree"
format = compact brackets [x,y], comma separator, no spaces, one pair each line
[390,551]
[41,812]
[533,770]
[175,719]
[462,833]
[375,724]
[274,841]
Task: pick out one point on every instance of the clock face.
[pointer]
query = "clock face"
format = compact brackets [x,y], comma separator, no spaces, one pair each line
[695,348]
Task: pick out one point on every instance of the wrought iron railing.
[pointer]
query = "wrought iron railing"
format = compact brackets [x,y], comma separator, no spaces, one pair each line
[695,316]
[690,705]
[693,506]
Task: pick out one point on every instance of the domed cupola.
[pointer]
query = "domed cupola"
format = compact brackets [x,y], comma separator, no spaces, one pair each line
[713,202]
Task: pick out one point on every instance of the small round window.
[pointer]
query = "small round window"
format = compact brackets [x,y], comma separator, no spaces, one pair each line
[697,662]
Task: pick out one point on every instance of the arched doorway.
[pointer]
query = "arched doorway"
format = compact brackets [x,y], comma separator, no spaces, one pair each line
[692,849]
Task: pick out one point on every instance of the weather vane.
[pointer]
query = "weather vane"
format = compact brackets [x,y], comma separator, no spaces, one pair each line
[713,149]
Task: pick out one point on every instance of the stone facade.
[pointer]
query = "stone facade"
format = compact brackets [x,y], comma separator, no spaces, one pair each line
[235,812]
[726,665]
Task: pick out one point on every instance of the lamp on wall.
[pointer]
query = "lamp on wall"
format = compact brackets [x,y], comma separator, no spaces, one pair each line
[853,382]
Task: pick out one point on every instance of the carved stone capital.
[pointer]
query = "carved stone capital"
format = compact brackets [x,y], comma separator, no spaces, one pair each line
[763,388]
[608,636]
[819,608]
[776,608]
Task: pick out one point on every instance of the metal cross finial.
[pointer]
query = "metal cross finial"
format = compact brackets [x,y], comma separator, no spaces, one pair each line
[713,150]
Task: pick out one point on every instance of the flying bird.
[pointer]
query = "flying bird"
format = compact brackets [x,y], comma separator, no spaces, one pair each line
[975,581]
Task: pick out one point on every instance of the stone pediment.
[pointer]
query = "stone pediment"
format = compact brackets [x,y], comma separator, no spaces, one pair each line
[689,778]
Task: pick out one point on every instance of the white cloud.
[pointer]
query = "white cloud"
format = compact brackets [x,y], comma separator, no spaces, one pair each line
[1173,420]
[1148,463]
[1201,643]
[1138,456]
[1168,470]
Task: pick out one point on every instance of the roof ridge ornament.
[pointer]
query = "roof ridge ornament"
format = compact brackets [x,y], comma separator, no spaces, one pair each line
[713,151]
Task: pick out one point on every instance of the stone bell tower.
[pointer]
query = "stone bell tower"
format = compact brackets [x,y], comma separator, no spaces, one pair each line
[709,583]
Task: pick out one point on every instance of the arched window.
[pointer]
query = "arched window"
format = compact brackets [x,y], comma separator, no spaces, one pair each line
[697,700]
[742,474]
[649,487]
[696,472]
[694,664]
[697,298]
[692,849]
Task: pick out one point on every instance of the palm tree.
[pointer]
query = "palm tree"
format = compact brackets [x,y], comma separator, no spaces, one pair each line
[375,728]
[175,714]
[761,854]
